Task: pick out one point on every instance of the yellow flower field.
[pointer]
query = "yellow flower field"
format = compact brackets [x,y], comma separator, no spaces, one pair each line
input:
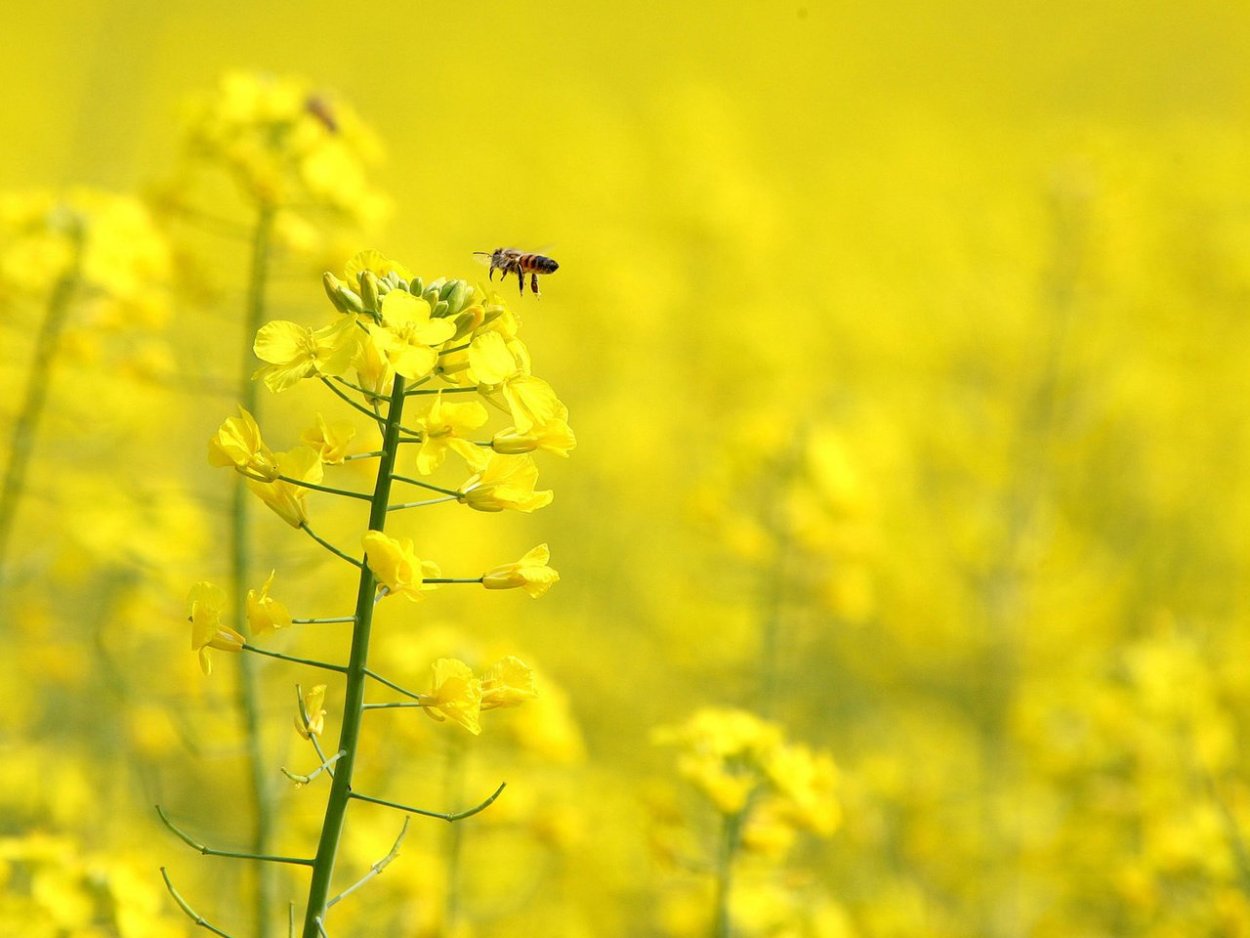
[849,541]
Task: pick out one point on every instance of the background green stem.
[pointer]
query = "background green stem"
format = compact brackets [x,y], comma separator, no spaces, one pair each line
[247,688]
[357,675]
[731,832]
[37,382]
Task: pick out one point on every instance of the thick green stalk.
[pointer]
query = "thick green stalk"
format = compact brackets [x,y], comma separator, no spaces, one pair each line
[357,676]
[247,690]
[37,382]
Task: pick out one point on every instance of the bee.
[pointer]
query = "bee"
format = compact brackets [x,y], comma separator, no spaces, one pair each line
[512,261]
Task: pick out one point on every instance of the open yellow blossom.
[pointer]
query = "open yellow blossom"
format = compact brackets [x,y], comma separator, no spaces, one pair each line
[398,569]
[295,352]
[207,603]
[408,334]
[329,439]
[530,573]
[508,683]
[287,498]
[441,429]
[504,364]
[505,482]
[264,613]
[373,367]
[314,708]
[238,443]
[553,437]
[455,694]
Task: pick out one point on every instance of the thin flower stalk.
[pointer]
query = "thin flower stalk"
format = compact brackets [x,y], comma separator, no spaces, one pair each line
[38,381]
[247,693]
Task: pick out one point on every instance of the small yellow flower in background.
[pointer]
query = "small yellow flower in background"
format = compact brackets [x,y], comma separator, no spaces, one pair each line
[408,333]
[530,573]
[330,440]
[741,762]
[554,437]
[238,443]
[264,614]
[807,781]
[296,352]
[287,143]
[399,570]
[207,603]
[375,263]
[455,694]
[509,683]
[440,429]
[505,482]
[287,498]
[314,707]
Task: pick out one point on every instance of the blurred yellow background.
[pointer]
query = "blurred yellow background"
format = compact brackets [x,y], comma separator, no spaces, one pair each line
[906,348]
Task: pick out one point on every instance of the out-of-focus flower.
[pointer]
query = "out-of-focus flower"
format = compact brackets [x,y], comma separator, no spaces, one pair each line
[509,683]
[505,482]
[207,603]
[399,570]
[287,144]
[264,613]
[530,573]
[108,242]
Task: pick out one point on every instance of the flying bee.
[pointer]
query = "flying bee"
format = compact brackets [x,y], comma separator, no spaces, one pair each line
[511,261]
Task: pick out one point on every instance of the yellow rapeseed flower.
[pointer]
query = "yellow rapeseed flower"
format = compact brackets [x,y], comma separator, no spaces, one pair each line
[398,569]
[238,443]
[530,573]
[408,334]
[442,428]
[207,604]
[330,440]
[314,707]
[509,683]
[455,694]
[505,482]
[264,613]
[287,498]
[295,352]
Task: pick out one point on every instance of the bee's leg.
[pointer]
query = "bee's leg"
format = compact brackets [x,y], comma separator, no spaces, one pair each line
[520,279]
[534,284]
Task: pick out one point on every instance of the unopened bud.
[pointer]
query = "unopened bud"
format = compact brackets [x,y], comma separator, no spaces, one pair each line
[343,298]
[369,290]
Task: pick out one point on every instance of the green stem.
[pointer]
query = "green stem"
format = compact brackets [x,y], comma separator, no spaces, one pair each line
[37,383]
[731,834]
[330,547]
[357,677]
[448,816]
[426,485]
[248,693]
[308,662]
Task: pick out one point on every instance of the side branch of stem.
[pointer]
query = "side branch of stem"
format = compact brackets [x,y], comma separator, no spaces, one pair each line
[453,816]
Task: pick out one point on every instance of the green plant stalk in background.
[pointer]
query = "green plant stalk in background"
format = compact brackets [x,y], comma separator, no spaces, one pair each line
[37,383]
[356,676]
[247,691]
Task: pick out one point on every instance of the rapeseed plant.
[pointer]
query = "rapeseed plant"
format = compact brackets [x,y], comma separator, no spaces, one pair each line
[392,334]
